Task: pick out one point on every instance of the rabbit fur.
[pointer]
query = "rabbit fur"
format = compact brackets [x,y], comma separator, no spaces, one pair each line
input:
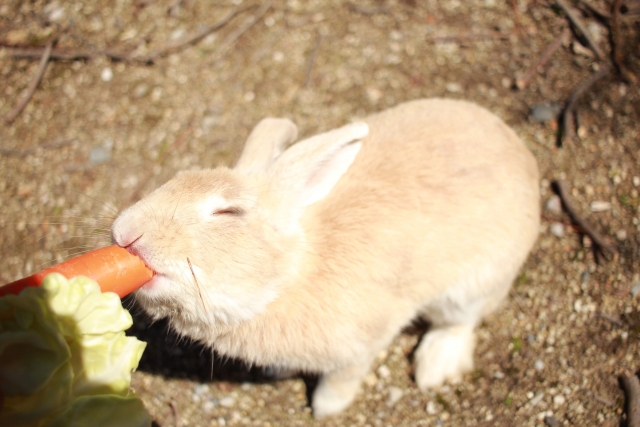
[315,257]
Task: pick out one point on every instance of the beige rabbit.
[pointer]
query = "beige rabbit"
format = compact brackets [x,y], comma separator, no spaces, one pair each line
[316,258]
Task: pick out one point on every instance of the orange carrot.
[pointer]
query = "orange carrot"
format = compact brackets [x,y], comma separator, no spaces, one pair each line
[113,267]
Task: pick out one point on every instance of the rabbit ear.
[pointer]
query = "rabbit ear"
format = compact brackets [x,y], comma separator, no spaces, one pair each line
[308,170]
[265,143]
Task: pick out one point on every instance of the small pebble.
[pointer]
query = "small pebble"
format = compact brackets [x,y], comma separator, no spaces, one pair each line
[551,421]
[584,277]
[141,90]
[370,379]
[578,49]
[384,372]
[537,398]
[107,74]
[595,30]
[636,181]
[599,206]
[557,229]
[531,338]
[395,394]
[453,87]
[209,404]
[635,290]
[178,34]
[498,375]
[99,154]
[559,400]
[554,204]
[538,365]
[621,235]
[56,14]
[227,402]
[432,407]
[545,112]
[201,389]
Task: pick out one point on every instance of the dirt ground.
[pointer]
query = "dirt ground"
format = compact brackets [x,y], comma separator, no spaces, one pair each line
[100,133]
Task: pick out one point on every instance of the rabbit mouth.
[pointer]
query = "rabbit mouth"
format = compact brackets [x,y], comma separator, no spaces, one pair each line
[157,283]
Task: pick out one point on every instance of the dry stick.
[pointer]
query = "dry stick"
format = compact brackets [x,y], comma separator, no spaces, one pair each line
[179,44]
[516,12]
[32,85]
[8,152]
[523,81]
[73,55]
[468,37]
[611,318]
[599,13]
[631,386]
[224,49]
[581,28]
[174,409]
[65,54]
[563,192]
[616,41]
[312,60]
[567,123]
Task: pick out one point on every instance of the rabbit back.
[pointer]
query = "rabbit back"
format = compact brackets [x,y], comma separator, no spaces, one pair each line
[440,206]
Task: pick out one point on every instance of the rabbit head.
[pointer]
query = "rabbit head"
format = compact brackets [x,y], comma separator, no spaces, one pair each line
[222,242]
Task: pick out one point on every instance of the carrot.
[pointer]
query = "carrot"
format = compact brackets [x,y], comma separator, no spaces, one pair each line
[113,267]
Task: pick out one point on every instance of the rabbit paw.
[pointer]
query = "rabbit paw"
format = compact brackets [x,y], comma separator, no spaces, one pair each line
[444,354]
[336,390]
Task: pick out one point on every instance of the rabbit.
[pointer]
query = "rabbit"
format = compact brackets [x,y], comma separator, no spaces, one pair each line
[315,257]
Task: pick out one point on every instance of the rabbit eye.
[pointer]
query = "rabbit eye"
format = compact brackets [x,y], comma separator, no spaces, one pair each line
[231,210]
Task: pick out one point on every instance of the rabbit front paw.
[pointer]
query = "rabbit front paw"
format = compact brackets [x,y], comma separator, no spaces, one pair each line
[444,353]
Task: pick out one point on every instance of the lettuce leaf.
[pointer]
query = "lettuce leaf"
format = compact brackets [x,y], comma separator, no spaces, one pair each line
[65,359]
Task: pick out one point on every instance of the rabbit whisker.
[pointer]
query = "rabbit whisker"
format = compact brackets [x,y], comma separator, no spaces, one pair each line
[197,285]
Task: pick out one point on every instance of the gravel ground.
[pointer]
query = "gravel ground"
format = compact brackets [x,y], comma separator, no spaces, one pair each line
[98,134]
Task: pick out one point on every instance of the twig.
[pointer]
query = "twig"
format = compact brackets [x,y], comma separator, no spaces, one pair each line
[516,12]
[581,28]
[42,67]
[599,13]
[73,55]
[469,37]
[603,400]
[631,386]
[179,44]
[611,318]
[616,42]
[65,54]
[563,192]
[312,59]
[224,49]
[174,410]
[523,81]
[567,123]
[8,152]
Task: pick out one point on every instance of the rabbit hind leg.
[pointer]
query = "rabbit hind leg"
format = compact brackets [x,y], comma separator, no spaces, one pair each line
[337,389]
[445,352]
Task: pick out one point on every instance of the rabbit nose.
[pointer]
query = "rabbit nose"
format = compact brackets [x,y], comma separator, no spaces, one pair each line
[127,242]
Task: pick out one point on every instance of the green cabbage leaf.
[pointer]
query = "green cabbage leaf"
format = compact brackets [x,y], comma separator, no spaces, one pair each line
[65,359]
